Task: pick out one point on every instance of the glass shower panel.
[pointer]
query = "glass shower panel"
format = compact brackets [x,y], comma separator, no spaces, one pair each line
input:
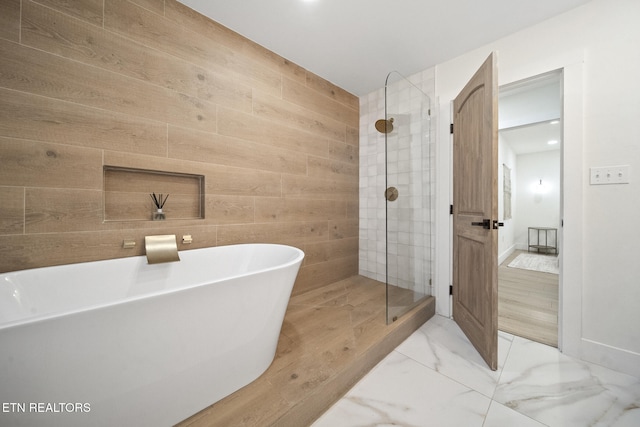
[407,129]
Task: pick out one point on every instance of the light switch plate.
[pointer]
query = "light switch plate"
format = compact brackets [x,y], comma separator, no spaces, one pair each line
[610,175]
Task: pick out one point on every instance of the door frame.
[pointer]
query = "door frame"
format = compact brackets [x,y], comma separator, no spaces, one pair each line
[559,247]
[570,339]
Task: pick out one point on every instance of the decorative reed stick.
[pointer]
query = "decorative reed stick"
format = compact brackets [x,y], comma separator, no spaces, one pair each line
[158,200]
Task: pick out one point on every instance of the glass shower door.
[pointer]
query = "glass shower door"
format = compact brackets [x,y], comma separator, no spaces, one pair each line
[409,240]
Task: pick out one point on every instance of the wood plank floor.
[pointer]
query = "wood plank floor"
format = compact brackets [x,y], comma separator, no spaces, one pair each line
[331,337]
[528,303]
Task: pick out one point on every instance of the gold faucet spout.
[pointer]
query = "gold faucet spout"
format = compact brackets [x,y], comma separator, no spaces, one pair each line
[161,248]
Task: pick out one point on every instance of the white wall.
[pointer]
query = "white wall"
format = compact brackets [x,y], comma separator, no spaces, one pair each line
[596,45]
[537,207]
[506,236]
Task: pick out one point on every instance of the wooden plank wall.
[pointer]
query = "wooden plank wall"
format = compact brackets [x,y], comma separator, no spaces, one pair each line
[151,84]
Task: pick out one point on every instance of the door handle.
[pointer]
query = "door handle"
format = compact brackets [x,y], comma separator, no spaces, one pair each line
[486,224]
[497,224]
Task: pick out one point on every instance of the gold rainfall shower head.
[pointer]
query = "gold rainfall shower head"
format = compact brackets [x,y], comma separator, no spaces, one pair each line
[384,126]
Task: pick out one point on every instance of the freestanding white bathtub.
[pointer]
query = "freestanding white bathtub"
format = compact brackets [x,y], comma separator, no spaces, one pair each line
[122,342]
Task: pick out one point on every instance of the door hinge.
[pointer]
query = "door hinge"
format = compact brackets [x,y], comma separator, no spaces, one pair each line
[450,209]
[450,289]
[451,128]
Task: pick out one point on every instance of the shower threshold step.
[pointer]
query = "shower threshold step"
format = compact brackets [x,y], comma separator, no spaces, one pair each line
[331,337]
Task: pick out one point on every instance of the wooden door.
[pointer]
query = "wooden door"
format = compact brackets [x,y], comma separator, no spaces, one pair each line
[475,211]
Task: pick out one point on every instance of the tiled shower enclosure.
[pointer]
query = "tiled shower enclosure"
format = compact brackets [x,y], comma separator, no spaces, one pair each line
[396,238]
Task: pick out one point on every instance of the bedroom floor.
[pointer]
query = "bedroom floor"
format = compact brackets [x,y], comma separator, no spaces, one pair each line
[528,302]
[436,378]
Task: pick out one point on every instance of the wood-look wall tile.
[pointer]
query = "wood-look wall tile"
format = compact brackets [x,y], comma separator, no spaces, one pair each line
[86,10]
[185,17]
[329,89]
[230,209]
[271,108]
[260,54]
[242,182]
[218,179]
[344,152]
[40,164]
[50,210]
[201,24]
[10,20]
[27,116]
[33,71]
[57,33]
[11,210]
[343,229]
[152,5]
[108,82]
[295,234]
[224,91]
[19,252]
[289,210]
[320,252]
[211,148]
[62,35]
[304,186]
[353,136]
[317,102]
[167,36]
[317,275]
[153,163]
[252,128]
[329,169]
[353,208]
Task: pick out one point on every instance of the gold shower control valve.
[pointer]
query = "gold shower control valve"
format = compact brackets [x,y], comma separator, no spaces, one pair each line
[391,194]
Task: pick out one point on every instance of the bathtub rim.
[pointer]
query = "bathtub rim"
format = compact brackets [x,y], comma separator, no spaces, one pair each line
[299,257]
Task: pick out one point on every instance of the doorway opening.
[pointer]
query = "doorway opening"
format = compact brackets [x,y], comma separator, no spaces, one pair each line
[529,205]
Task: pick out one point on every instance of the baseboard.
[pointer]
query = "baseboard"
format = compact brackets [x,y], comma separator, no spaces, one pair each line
[610,357]
[503,256]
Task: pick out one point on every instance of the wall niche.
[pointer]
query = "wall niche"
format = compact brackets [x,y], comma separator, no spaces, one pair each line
[127,194]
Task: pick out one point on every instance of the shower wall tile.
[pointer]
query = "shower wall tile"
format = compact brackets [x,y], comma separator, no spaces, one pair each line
[153,85]
[415,249]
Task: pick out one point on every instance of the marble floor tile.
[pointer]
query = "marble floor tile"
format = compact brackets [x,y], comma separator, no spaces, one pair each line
[402,392]
[557,390]
[436,378]
[502,416]
[442,346]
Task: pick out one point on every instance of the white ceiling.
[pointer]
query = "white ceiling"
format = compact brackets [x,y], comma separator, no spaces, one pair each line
[533,138]
[529,114]
[356,43]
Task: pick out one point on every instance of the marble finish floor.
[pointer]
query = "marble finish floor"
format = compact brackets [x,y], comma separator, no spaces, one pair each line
[436,378]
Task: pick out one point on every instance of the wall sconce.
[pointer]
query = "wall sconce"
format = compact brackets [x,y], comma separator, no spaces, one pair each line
[539,187]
